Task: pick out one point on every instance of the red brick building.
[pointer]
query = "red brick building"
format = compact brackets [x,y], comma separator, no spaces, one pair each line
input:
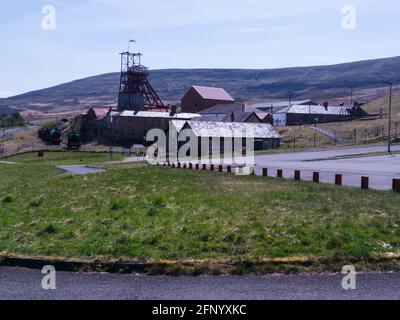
[201,98]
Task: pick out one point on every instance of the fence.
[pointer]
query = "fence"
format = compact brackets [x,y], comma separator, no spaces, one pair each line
[325,136]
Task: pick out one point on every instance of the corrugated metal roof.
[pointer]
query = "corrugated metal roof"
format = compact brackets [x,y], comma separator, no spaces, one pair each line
[280,104]
[211,93]
[230,129]
[332,110]
[178,124]
[148,114]
[225,117]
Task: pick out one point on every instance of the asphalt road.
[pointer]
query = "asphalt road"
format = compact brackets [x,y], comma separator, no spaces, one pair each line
[380,169]
[25,284]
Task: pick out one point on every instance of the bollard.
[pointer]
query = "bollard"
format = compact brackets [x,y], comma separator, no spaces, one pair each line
[184,166]
[265,172]
[338,179]
[316,177]
[173,165]
[229,169]
[197,166]
[297,175]
[396,185]
[190,166]
[220,168]
[179,165]
[169,164]
[279,173]
[204,167]
[364,183]
[212,167]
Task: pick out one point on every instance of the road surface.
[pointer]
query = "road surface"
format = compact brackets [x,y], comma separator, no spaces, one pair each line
[17,283]
[380,169]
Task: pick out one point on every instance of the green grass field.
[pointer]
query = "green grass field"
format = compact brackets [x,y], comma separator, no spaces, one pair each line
[137,212]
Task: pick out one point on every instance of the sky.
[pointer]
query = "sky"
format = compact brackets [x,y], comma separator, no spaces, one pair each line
[45,43]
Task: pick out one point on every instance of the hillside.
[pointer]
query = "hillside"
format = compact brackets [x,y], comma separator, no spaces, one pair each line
[320,82]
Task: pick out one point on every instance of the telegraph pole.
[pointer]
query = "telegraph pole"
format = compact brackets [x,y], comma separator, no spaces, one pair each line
[390,116]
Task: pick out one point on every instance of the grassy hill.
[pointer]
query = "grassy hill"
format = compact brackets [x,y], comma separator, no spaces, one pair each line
[320,82]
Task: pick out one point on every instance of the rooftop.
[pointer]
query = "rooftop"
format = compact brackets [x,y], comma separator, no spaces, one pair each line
[210,93]
[229,129]
[151,114]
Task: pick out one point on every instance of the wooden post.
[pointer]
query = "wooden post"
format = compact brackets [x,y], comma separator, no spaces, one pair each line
[365,183]
[265,172]
[396,185]
[204,167]
[212,167]
[315,139]
[197,166]
[338,179]
[190,166]
[297,175]
[279,173]
[316,177]
[229,169]
[184,166]
[220,168]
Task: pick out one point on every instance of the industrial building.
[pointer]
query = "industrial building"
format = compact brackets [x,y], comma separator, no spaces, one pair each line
[264,135]
[200,98]
[132,127]
[309,112]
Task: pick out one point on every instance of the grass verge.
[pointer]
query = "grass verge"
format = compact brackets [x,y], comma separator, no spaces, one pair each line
[134,212]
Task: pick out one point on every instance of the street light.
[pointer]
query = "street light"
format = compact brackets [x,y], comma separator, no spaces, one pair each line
[390,115]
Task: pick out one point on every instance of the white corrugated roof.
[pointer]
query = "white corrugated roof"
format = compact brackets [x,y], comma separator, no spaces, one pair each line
[229,129]
[147,114]
[333,110]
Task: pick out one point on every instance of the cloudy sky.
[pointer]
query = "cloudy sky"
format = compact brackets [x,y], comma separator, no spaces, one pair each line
[83,38]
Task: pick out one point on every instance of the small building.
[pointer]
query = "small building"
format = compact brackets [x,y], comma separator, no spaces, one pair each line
[264,135]
[131,127]
[229,113]
[200,98]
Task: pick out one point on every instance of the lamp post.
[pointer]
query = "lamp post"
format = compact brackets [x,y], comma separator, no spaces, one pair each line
[390,115]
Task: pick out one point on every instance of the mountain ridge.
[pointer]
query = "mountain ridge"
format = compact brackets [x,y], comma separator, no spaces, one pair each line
[316,82]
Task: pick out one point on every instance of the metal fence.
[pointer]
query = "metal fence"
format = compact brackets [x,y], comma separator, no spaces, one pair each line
[325,137]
